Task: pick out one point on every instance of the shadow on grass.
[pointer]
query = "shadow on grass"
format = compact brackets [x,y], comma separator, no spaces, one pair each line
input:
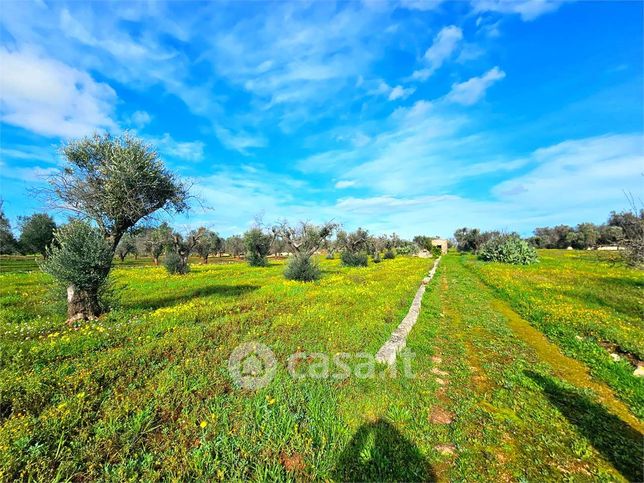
[378,452]
[617,441]
[184,296]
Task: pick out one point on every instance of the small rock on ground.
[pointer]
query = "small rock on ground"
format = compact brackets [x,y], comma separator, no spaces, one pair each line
[436,371]
[639,372]
[441,416]
[446,449]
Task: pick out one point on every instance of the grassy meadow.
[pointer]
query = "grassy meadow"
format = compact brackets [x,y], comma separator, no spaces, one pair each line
[513,378]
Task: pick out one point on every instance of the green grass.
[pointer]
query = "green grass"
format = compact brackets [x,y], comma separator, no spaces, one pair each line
[144,392]
[588,304]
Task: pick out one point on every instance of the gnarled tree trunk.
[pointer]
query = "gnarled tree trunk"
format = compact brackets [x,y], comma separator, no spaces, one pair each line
[81,305]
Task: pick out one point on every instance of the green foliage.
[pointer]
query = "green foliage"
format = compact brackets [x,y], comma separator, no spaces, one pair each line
[354,259]
[175,264]
[157,240]
[355,242]
[235,245]
[407,248]
[376,257]
[436,251]
[631,224]
[258,245]
[126,246]
[302,268]
[116,181]
[389,255]
[8,243]
[355,247]
[80,256]
[424,242]
[472,239]
[36,233]
[208,243]
[508,249]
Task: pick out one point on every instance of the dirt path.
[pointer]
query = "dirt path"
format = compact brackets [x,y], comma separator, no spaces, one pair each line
[508,402]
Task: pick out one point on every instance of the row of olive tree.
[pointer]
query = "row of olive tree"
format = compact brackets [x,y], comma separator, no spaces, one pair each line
[624,230]
[110,184]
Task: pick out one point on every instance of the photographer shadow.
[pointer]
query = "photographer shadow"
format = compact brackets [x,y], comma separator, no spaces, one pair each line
[379,452]
[616,440]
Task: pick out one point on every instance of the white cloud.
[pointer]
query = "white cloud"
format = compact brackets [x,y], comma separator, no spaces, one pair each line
[140,119]
[421,74]
[381,88]
[97,40]
[445,44]
[240,141]
[408,155]
[32,174]
[399,92]
[472,90]
[569,182]
[48,154]
[345,184]
[50,98]
[527,9]
[187,150]
[234,197]
[591,171]
[423,5]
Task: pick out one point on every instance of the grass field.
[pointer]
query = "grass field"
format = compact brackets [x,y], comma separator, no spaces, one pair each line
[512,375]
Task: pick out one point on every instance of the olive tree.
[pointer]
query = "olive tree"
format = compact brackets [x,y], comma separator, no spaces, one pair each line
[303,240]
[355,247]
[180,249]
[632,241]
[8,243]
[114,182]
[235,245]
[126,246]
[80,260]
[258,245]
[36,233]
[157,240]
[207,244]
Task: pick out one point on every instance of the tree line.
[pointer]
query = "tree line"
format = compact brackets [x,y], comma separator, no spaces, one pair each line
[624,230]
[112,185]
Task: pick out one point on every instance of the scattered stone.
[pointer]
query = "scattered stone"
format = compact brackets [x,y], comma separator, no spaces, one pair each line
[615,357]
[441,416]
[436,359]
[446,449]
[437,372]
[578,337]
[398,339]
[639,372]
[440,381]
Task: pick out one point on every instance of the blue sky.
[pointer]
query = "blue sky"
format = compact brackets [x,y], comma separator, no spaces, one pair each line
[407,116]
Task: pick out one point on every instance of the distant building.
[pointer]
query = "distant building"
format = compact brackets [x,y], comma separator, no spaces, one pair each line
[439,242]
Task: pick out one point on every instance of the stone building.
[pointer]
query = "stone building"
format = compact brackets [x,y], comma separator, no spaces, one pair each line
[439,242]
